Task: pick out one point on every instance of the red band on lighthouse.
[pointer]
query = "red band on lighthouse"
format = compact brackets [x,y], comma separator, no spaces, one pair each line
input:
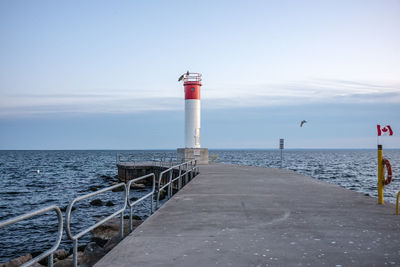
[192,90]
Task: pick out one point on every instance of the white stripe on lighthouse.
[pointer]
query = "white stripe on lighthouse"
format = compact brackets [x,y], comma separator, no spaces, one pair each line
[192,123]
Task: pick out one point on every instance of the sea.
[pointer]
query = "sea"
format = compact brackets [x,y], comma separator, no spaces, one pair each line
[34,179]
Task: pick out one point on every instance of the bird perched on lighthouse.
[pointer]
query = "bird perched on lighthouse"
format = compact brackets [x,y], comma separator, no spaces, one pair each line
[183,76]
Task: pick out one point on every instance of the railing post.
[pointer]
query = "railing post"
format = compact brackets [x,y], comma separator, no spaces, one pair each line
[186,172]
[152,196]
[158,190]
[180,178]
[191,170]
[170,184]
[75,257]
[130,219]
[121,226]
[50,260]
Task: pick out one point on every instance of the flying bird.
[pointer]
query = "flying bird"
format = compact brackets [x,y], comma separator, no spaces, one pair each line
[302,122]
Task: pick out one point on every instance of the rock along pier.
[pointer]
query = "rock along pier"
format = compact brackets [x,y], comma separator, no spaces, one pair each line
[250,216]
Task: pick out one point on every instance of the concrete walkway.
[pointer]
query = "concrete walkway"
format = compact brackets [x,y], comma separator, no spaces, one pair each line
[248,216]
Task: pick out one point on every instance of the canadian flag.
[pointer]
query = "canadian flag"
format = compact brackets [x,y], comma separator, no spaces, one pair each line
[384,130]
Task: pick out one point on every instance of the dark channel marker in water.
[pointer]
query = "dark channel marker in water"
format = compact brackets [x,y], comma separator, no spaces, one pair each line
[64,175]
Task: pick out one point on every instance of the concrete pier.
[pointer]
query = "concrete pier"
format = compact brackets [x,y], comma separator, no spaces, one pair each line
[249,216]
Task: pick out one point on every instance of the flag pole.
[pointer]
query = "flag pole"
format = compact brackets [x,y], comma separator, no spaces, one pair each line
[377,135]
[381,174]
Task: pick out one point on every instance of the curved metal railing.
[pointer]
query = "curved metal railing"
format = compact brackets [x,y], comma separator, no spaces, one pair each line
[75,237]
[189,173]
[187,170]
[49,252]
[151,194]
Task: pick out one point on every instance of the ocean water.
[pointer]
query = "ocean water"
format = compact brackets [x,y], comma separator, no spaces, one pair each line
[31,180]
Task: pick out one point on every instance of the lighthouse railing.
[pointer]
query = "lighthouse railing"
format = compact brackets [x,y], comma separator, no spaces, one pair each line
[193,77]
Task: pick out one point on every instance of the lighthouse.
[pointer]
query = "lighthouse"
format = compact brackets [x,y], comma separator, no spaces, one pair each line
[192,84]
[192,130]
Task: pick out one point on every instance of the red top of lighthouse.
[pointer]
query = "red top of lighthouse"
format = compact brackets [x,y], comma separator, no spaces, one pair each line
[192,83]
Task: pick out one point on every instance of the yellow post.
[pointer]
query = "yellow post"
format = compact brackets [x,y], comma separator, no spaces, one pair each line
[397,203]
[380,175]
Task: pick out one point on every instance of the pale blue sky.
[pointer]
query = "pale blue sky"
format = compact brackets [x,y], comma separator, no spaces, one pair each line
[103,74]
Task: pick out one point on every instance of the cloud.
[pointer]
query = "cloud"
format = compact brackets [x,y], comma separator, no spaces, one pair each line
[304,93]
[270,94]
[13,105]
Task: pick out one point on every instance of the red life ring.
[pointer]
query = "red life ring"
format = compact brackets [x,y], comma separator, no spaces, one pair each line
[388,167]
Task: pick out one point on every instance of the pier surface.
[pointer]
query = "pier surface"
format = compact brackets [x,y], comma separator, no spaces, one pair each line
[249,216]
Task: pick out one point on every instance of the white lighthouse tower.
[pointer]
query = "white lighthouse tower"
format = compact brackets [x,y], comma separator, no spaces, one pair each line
[192,150]
[192,83]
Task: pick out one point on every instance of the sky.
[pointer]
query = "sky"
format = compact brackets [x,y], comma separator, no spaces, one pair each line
[103,74]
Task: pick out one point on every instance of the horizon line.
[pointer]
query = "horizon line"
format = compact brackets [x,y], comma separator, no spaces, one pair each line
[173,149]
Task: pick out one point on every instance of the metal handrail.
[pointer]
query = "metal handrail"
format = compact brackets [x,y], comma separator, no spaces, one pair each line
[151,194]
[184,171]
[75,238]
[49,252]
[170,170]
[193,166]
[169,161]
